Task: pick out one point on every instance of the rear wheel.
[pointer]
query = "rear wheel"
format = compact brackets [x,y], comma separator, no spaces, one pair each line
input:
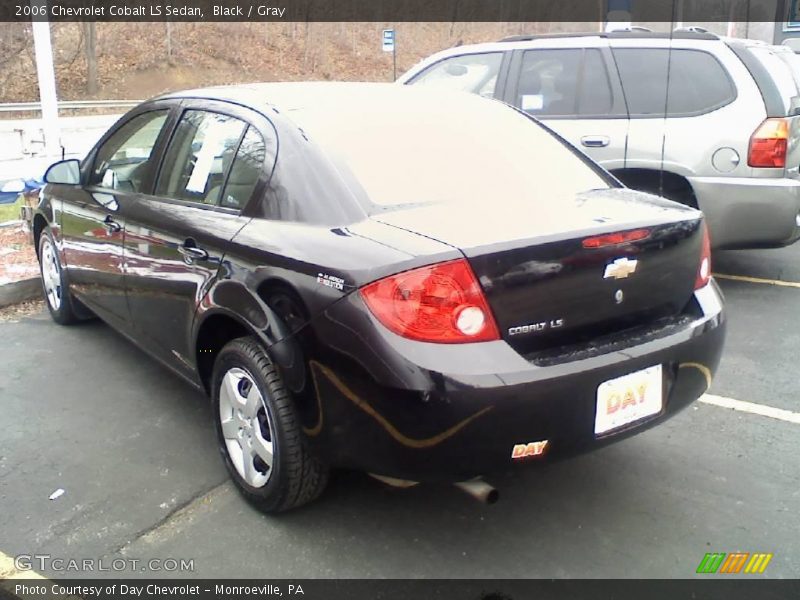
[54,282]
[259,432]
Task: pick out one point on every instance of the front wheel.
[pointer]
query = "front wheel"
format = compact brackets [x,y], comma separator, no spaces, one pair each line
[259,432]
[54,283]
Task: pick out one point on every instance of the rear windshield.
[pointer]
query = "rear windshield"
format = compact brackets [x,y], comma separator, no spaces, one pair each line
[780,71]
[791,60]
[483,155]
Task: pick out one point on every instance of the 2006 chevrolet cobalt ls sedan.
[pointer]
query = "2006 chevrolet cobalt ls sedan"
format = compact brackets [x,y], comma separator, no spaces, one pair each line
[421,285]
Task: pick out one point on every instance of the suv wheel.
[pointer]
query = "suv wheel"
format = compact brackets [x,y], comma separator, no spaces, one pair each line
[259,432]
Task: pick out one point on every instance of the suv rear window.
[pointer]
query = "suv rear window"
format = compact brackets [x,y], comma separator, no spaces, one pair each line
[698,83]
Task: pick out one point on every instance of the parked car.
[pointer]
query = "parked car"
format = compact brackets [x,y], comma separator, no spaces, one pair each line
[424,286]
[709,122]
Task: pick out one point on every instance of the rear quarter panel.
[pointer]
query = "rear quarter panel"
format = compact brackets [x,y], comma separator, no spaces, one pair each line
[316,265]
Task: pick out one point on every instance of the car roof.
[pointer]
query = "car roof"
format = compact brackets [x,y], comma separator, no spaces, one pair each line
[319,95]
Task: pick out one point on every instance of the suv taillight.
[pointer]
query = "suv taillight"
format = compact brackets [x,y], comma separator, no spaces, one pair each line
[440,303]
[768,144]
[704,268]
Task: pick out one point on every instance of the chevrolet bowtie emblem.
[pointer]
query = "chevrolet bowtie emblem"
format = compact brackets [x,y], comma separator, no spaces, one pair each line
[620,268]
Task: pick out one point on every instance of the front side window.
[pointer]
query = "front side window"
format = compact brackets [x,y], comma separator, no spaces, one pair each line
[698,83]
[564,82]
[124,162]
[475,73]
[199,156]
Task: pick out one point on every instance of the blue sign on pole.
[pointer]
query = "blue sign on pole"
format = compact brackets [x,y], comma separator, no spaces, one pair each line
[388,40]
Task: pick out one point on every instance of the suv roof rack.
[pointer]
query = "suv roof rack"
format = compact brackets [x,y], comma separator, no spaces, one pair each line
[632,28]
[689,33]
[694,28]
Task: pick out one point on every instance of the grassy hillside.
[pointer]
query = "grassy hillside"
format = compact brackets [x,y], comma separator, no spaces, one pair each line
[138,60]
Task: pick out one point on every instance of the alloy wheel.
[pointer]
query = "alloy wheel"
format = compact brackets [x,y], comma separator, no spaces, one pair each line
[246,427]
[51,275]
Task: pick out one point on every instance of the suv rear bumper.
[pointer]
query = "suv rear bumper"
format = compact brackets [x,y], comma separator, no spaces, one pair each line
[749,212]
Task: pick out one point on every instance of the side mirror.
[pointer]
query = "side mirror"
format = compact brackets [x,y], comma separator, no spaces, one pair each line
[67,172]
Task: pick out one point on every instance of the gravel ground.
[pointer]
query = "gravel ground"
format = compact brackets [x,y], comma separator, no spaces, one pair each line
[15,312]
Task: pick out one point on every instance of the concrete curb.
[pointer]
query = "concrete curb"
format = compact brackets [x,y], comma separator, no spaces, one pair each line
[20,291]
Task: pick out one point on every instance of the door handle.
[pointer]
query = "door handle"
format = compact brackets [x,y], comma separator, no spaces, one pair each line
[595,141]
[191,252]
[111,225]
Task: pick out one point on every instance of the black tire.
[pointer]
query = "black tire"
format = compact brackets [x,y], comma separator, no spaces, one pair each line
[296,476]
[59,300]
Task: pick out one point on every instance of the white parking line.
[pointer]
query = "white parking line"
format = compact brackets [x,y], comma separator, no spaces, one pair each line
[778,282]
[752,408]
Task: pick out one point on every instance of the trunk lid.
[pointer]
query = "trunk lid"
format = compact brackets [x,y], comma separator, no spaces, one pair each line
[546,289]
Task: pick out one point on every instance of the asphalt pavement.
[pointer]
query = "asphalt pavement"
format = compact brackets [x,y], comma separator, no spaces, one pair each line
[132,447]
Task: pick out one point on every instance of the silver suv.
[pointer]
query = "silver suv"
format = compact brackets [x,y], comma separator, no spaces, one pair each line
[707,121]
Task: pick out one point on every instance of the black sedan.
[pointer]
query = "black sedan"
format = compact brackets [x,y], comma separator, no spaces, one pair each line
[421,285]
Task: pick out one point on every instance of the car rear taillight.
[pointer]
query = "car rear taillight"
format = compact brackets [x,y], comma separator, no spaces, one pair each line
[440,303]
[768,144]
[704,269]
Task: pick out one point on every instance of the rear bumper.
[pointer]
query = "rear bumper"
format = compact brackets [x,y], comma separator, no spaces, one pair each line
[429,412]
[749,212]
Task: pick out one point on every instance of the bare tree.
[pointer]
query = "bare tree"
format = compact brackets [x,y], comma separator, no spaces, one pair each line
[169,43]
[90,35]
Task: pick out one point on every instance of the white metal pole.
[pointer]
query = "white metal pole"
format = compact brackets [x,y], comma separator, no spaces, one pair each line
[679,15]
[47,83]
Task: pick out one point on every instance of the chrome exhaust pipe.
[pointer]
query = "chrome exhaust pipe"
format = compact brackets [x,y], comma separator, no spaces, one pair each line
[480,490]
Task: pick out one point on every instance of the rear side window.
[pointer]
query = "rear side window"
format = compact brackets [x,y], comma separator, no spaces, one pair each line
[698,83]
[564,82]
[199,156]
[245,170]
[476,73]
